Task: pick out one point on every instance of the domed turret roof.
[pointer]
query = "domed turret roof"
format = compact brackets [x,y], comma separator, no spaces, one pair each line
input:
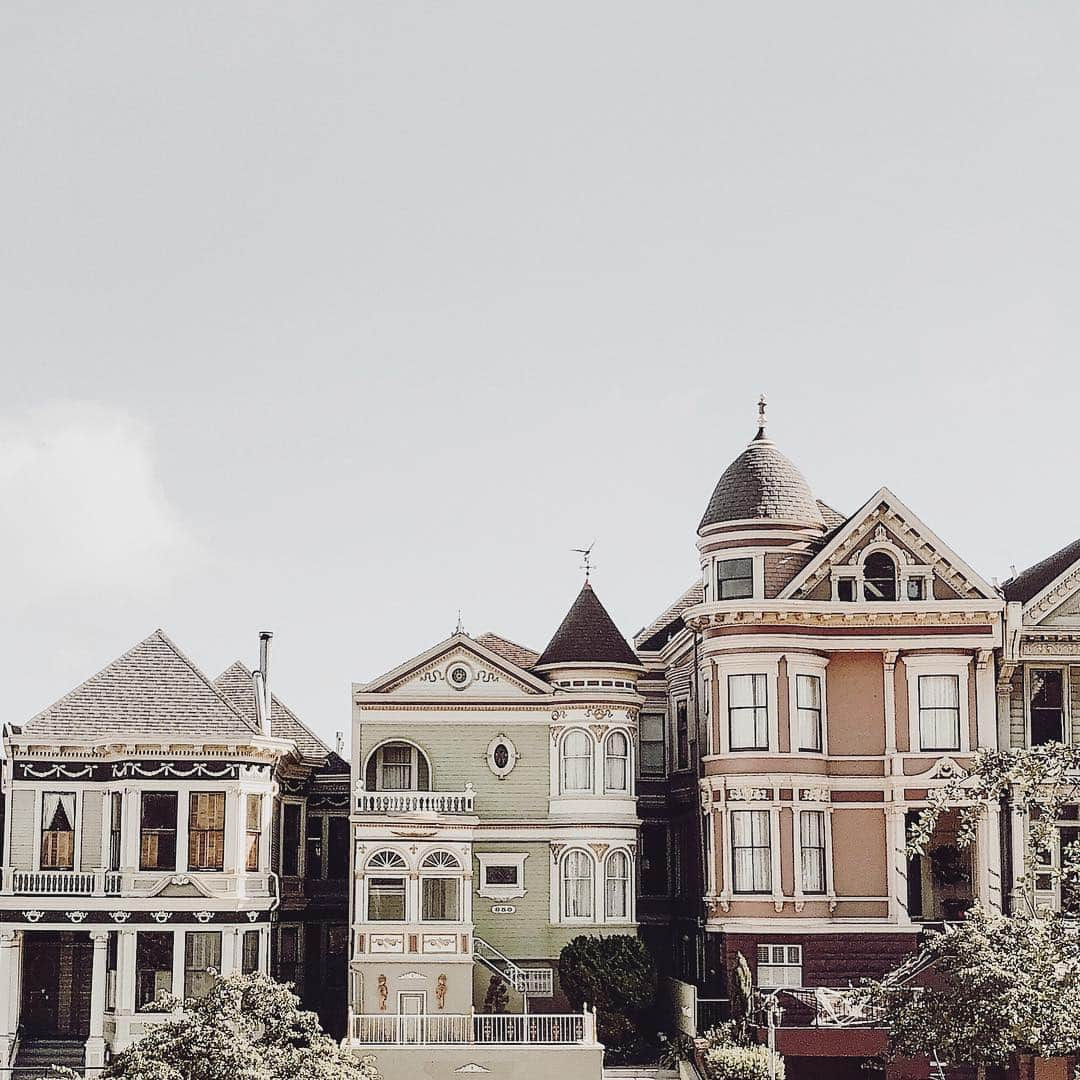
[587,635]
[762,483]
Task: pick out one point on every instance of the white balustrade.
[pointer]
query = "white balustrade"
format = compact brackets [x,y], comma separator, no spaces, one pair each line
[416,802]
[503,1029]
[61,883]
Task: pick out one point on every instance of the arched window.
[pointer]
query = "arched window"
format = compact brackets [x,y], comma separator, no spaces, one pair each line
[617,886]
[385,873]
[440,887]
[617,762]
[577,885]
[397,766]
[879,577]
[577,762]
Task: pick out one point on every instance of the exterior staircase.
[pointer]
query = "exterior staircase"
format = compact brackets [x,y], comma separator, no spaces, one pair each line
[502,965]
[35,1057]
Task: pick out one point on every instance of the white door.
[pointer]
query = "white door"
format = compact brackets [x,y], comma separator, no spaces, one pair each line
[411,1010]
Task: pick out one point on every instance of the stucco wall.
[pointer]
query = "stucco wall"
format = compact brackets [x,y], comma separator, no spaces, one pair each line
[859,851]
[855,703]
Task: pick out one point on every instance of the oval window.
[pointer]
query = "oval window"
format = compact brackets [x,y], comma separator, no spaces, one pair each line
[501,756]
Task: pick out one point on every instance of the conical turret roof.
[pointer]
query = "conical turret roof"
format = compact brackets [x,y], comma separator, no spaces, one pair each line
[587,635]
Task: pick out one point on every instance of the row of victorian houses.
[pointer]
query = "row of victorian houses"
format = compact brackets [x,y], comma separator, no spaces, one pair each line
[737,778]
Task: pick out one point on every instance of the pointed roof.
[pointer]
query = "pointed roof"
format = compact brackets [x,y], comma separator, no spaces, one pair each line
[152,692]
[762,483]
[235,684]
[587,636]
[1030,582]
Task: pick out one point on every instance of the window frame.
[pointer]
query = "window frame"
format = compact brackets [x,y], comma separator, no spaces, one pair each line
[756,709]
[651,773]
[626,757]
[450,871]
[683,756]
[565,895]
[627,881]
[253,836]
[141,1002]
[1066,711]
[493,890]
[564,758]
[719,582]
[937,664]
[790,952]
[51,848]
[807,665]
[155,831]
[938,747]
[192,973]
[822,816]
[198,837]
[770,885]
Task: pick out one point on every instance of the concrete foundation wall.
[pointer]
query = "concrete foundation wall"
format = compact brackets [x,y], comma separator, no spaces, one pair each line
[498,1063]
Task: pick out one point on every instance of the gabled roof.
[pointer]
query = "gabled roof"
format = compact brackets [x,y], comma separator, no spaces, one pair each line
[1030,582]
[152,692]
[833,518]
[394,678]
[587,635]
[670,617]
[236,685]
[920,535]
[762,483]
[521,655]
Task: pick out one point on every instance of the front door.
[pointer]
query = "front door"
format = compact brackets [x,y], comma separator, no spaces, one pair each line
[411,1009]
[56,985]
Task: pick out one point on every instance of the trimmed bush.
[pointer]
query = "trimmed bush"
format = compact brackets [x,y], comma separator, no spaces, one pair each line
[743,1063]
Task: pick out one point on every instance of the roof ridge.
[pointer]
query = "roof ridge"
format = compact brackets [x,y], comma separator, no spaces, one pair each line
[509,641]
[274,697]
[199,673]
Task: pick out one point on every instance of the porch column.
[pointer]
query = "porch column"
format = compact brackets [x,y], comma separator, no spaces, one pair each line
[985,700]
[95,1044]
[9,944]
[179,955]
[988,849]
[1019,860]
[125,972]
[230,954]
[896,863]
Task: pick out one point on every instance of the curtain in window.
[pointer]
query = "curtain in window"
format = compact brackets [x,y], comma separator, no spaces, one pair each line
[439,899]
[812,836]
[386,900]
[577,885]
[616,761]
[808,700]
[57,832]
[752,850]
[748,712]
[939,712]
[396,768]
[577,757]
[617,886]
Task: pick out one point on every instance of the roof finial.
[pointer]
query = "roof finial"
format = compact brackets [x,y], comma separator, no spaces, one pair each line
[459,629]
[586,559]
[761,405]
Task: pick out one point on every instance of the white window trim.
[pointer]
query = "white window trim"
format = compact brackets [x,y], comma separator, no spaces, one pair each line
[781,945]
[730,555]
[39,809]
[597,890]
[805,664]
[664,726]
[760,664]
[948,664]
[501,892]
[631,765]
[775,893]
[631,887]
[799,808]
[1066,698]
[597,755]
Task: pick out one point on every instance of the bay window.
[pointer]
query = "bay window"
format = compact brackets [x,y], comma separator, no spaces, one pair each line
[617,886]
[576,765]
[748,712]
[440,888]
[812,847]
[153,966]
[253,839]
[202,961]
[206,830]
[734,579]
[617,762]
[577,885]
[157,831]
[808,705]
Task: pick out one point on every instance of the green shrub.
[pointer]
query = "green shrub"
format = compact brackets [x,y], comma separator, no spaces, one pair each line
[743,1063]
[614,975]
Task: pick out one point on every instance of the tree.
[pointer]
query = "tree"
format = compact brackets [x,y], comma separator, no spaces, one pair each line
[997,986]
[615,975]
[247,1027]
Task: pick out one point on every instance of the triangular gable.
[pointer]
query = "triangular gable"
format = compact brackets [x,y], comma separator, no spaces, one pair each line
[1056,603]
[152,692]
[490,675]
[886,516]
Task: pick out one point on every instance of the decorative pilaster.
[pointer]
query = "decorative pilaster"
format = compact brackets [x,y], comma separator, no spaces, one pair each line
[9,945]
[889,658]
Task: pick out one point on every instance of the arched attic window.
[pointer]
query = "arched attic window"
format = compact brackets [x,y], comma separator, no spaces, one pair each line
[879,577]
[397,766]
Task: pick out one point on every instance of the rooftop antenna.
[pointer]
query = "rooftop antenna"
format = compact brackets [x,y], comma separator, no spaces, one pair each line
[586,559]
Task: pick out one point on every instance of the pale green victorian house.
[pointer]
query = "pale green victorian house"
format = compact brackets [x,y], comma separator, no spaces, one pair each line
[494,819]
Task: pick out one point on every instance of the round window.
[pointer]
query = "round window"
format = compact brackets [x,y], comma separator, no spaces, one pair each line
[459,676]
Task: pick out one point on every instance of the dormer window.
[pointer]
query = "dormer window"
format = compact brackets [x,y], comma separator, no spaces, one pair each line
[735,579]
[879,577]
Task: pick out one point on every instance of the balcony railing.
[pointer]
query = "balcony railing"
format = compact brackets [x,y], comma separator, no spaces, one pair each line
[822,1006]
[61,882]
[415,802]
[509,1029]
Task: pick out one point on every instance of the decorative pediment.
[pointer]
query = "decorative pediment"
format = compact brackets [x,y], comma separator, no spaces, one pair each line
[887,524]
[458,667]
[181,886]
[1058,605]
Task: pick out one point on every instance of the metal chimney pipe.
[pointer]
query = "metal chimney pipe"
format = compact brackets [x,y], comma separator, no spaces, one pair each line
[339,740]
[265,638]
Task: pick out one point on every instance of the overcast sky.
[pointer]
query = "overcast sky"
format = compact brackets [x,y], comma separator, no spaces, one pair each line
[333,318]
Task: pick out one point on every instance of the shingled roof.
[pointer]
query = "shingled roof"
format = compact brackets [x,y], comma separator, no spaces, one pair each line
[1030,582]
[152,692]
[762,483]
[520,655]
[587,636]
[669,621]
[235,683]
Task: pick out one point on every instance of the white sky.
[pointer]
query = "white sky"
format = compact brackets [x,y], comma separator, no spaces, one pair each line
[336,317]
